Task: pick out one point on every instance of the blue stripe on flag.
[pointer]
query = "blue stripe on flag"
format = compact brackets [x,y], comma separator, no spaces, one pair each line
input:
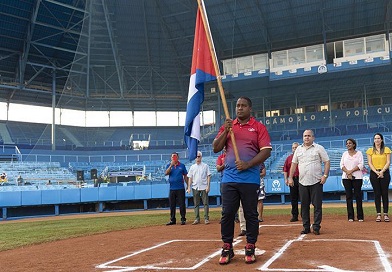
[192,137]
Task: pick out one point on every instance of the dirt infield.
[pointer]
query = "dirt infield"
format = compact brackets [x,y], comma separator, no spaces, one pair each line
[342,246]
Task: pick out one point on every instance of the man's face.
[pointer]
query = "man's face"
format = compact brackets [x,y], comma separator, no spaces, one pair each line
[243,109]
[174,157]
[294,147]
[198,158]
[308,137]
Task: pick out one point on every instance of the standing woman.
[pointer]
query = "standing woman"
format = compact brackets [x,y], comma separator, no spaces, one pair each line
[379,159]
[352,164]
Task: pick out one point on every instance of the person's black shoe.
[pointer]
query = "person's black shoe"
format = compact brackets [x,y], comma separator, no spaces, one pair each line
[170,223]
[316,232]
[305,231]
[242,233]
[294,219]
[183,222]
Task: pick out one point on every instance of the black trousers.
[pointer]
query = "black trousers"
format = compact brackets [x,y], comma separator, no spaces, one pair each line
[380,188]
[349,186]
[236,214]
[232,194]
[294,195]
[312,194]
[177,197]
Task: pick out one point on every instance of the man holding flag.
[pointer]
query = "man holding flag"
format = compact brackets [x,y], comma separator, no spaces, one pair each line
[241,178]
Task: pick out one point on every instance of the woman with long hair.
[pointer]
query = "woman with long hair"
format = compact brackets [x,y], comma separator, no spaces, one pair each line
[379,159]
[351,164]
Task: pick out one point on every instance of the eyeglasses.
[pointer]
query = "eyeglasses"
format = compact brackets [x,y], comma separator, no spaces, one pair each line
[198,156]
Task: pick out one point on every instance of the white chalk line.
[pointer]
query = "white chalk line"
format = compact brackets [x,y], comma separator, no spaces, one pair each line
[156,266]
[265,267]
[381,255]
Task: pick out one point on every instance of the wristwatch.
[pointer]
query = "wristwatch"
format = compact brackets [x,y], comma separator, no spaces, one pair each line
[325,175]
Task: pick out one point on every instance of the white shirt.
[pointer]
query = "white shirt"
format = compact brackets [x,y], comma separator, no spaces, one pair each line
[309,159]
[350,162]
[199,174]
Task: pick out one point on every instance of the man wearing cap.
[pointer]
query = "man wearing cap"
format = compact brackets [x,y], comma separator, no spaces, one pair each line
[199,177]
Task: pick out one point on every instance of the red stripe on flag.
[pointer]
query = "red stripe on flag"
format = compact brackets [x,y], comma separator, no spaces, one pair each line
[201,58]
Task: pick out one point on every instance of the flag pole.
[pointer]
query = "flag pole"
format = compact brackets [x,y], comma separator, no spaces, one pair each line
[217,71]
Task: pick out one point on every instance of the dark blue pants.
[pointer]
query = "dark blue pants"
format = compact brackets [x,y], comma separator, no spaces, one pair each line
[349,186]
[312,194]
[177,197]
[232,194]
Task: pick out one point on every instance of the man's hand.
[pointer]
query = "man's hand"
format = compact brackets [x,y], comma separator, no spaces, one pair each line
[323,179]
[241,165]
[228,124]
[290,182]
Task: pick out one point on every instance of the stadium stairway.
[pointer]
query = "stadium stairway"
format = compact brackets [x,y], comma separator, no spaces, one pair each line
[4,133]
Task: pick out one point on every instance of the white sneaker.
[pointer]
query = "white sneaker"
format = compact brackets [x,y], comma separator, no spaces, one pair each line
[206,221]
[196,222]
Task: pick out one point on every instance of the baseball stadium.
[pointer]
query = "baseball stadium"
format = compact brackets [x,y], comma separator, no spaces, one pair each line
[97,95]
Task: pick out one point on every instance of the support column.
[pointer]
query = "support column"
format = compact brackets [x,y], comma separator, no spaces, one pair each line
[54,110]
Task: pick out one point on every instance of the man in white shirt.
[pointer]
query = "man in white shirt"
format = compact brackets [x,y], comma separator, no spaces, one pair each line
[309,157]
[199,177]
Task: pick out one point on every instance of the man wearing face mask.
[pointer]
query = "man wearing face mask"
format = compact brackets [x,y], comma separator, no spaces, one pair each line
[177,178]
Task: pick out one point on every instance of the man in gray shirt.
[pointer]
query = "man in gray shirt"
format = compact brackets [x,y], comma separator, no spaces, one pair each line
[309,157]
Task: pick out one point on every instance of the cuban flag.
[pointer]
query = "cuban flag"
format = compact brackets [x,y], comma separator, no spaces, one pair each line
[202,71]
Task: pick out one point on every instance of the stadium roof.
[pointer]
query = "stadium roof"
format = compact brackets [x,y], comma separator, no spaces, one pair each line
[136,54]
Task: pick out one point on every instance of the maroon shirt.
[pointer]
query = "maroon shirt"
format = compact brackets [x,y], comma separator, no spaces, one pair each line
[287,166]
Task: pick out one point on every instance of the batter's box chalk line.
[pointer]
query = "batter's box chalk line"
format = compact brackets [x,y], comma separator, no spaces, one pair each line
[110,267]
[323,267]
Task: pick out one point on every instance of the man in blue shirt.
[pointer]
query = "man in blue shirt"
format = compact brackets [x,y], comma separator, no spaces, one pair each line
[177,177]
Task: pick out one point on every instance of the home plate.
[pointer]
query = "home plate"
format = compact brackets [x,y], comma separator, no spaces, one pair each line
[242,252]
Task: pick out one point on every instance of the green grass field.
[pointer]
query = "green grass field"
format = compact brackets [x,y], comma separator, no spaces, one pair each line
[14,234]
